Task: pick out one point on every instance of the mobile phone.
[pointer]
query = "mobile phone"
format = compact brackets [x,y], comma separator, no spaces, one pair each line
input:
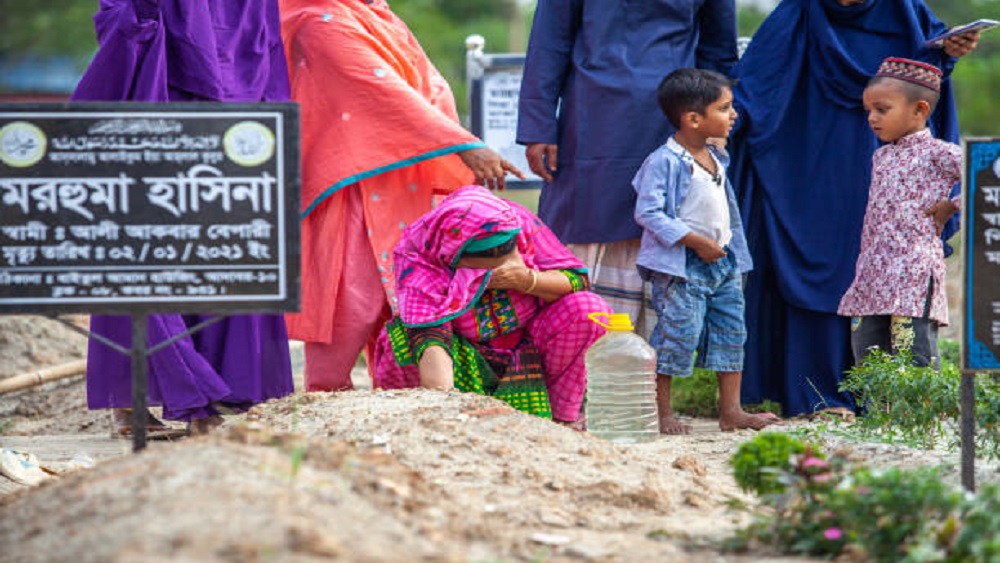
[978,25]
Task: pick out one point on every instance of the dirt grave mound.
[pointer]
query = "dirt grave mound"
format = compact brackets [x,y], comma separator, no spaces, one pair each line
[397,475]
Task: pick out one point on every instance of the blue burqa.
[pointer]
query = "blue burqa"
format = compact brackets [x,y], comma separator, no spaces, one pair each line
[801,168]
[589,85]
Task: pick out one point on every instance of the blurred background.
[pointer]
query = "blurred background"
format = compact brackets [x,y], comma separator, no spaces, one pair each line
[46,44]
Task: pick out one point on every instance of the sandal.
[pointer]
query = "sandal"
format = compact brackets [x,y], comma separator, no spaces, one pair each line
[121,427]
[202,426]
[21,467]
[841,414]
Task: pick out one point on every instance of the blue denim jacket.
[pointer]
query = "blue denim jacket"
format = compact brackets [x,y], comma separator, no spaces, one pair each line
[662,183]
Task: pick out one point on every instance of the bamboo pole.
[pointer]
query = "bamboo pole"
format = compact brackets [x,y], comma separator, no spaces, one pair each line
[31,379]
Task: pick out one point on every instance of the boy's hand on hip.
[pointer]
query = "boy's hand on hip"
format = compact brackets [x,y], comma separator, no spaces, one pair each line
[706,249]
[942,212]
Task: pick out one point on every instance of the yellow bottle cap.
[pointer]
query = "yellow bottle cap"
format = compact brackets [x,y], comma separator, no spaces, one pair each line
[616,321]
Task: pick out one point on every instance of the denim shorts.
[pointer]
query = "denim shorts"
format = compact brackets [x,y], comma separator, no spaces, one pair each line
[699,317]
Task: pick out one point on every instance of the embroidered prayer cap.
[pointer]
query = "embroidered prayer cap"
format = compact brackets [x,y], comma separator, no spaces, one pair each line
[916,72]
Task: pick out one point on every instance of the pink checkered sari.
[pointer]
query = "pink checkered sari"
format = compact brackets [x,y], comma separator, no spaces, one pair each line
[496,323]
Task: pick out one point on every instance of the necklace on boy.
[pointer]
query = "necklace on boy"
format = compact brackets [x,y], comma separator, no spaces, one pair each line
[716,177]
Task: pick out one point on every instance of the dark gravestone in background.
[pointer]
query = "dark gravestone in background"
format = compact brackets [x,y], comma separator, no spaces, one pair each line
[494,82]
[130,207]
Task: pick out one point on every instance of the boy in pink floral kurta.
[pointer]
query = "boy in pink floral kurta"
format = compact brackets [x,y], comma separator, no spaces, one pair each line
[897,299]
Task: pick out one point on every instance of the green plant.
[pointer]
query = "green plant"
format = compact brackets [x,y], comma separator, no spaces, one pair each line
[899,401]
[987,417]
[896,515]
[759,463]
[296,455]
[830,509]
[797,520]
[950,352]
[698,396]
[919,405]
[979,536]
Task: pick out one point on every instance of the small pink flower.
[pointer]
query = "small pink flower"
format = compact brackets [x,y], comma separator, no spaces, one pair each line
[815,462]
[833,534]
[822,478]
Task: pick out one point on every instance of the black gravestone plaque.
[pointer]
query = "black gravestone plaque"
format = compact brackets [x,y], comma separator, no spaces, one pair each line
[981,281]
[132,207]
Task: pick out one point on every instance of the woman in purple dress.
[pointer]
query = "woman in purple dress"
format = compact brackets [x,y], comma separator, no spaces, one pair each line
[189,50]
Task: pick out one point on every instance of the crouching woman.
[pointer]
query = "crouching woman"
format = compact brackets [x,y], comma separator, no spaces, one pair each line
[489,301]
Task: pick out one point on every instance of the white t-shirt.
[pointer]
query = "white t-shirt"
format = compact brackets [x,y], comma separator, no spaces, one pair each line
[705,207]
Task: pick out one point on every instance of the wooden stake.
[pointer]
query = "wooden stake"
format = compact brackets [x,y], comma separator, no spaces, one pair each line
[31,379]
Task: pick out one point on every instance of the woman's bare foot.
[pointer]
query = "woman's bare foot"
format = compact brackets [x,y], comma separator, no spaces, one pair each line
[580,424]
[670,424]
[202,426]
[741,420]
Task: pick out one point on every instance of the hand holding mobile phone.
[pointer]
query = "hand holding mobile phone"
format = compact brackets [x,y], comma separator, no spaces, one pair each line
[978,25]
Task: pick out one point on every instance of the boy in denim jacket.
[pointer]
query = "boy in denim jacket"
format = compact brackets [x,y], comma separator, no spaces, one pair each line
[693,248]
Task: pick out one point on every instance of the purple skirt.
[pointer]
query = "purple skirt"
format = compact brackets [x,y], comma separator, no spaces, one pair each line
[234,364]
[188,50]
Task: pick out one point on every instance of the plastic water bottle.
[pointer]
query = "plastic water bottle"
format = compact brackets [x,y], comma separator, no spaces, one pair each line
[621,384]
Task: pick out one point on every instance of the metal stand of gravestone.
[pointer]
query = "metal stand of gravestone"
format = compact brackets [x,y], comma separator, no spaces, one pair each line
[137,209]
[981,294]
